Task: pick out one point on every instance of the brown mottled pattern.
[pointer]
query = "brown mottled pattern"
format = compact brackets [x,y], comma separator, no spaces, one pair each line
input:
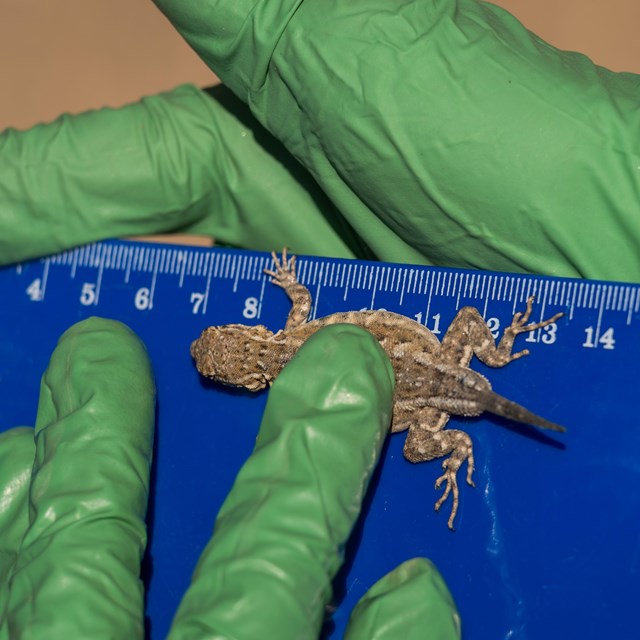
[433,378]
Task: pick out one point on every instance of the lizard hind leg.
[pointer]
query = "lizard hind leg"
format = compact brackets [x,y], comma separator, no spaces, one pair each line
[463,451]
[427,441]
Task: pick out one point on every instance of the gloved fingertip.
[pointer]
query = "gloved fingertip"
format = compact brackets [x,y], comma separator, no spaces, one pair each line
[102,358]
[412,601]
[16,450]
[16,459]
[337,358]
[106,333]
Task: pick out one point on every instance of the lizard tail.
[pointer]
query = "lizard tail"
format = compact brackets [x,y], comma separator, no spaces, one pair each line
[500,406]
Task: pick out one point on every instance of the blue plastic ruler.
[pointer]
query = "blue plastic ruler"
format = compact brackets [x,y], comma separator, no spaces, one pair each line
[548,543]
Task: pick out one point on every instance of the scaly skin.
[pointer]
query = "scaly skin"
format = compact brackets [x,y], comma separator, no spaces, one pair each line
[433,378]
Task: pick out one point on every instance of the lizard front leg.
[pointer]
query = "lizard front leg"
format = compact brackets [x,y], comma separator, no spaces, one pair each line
[284,276]
[469,335]
[427,441]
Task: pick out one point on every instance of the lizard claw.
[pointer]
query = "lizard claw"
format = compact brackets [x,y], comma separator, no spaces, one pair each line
[285,270]
[519,323]
[449,476]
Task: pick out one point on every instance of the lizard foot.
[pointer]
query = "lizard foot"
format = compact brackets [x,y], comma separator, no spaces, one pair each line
[285,270]
[519,325]
[451,466]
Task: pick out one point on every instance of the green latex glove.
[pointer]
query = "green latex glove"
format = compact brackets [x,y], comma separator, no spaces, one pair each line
[443,124]
[442,131]
[73,504]
[181,161]
[74,492]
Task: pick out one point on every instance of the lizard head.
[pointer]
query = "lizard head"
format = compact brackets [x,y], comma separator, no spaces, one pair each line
[234,354]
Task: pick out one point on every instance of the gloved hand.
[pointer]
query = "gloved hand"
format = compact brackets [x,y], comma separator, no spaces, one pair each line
[73,504]
[442,131]
[442,124]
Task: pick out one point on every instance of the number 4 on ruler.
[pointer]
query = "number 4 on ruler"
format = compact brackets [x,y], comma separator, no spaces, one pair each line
[35,290]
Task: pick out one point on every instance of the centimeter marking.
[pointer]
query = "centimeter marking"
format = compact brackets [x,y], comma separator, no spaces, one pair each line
[375,277]
[130,258]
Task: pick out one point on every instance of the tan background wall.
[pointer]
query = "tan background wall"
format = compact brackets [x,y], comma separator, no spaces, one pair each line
[72,55]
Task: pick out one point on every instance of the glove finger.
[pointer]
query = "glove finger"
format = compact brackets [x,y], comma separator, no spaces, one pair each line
[77,571]
[180,161]
[411,602]
[17,449]
[279,536]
